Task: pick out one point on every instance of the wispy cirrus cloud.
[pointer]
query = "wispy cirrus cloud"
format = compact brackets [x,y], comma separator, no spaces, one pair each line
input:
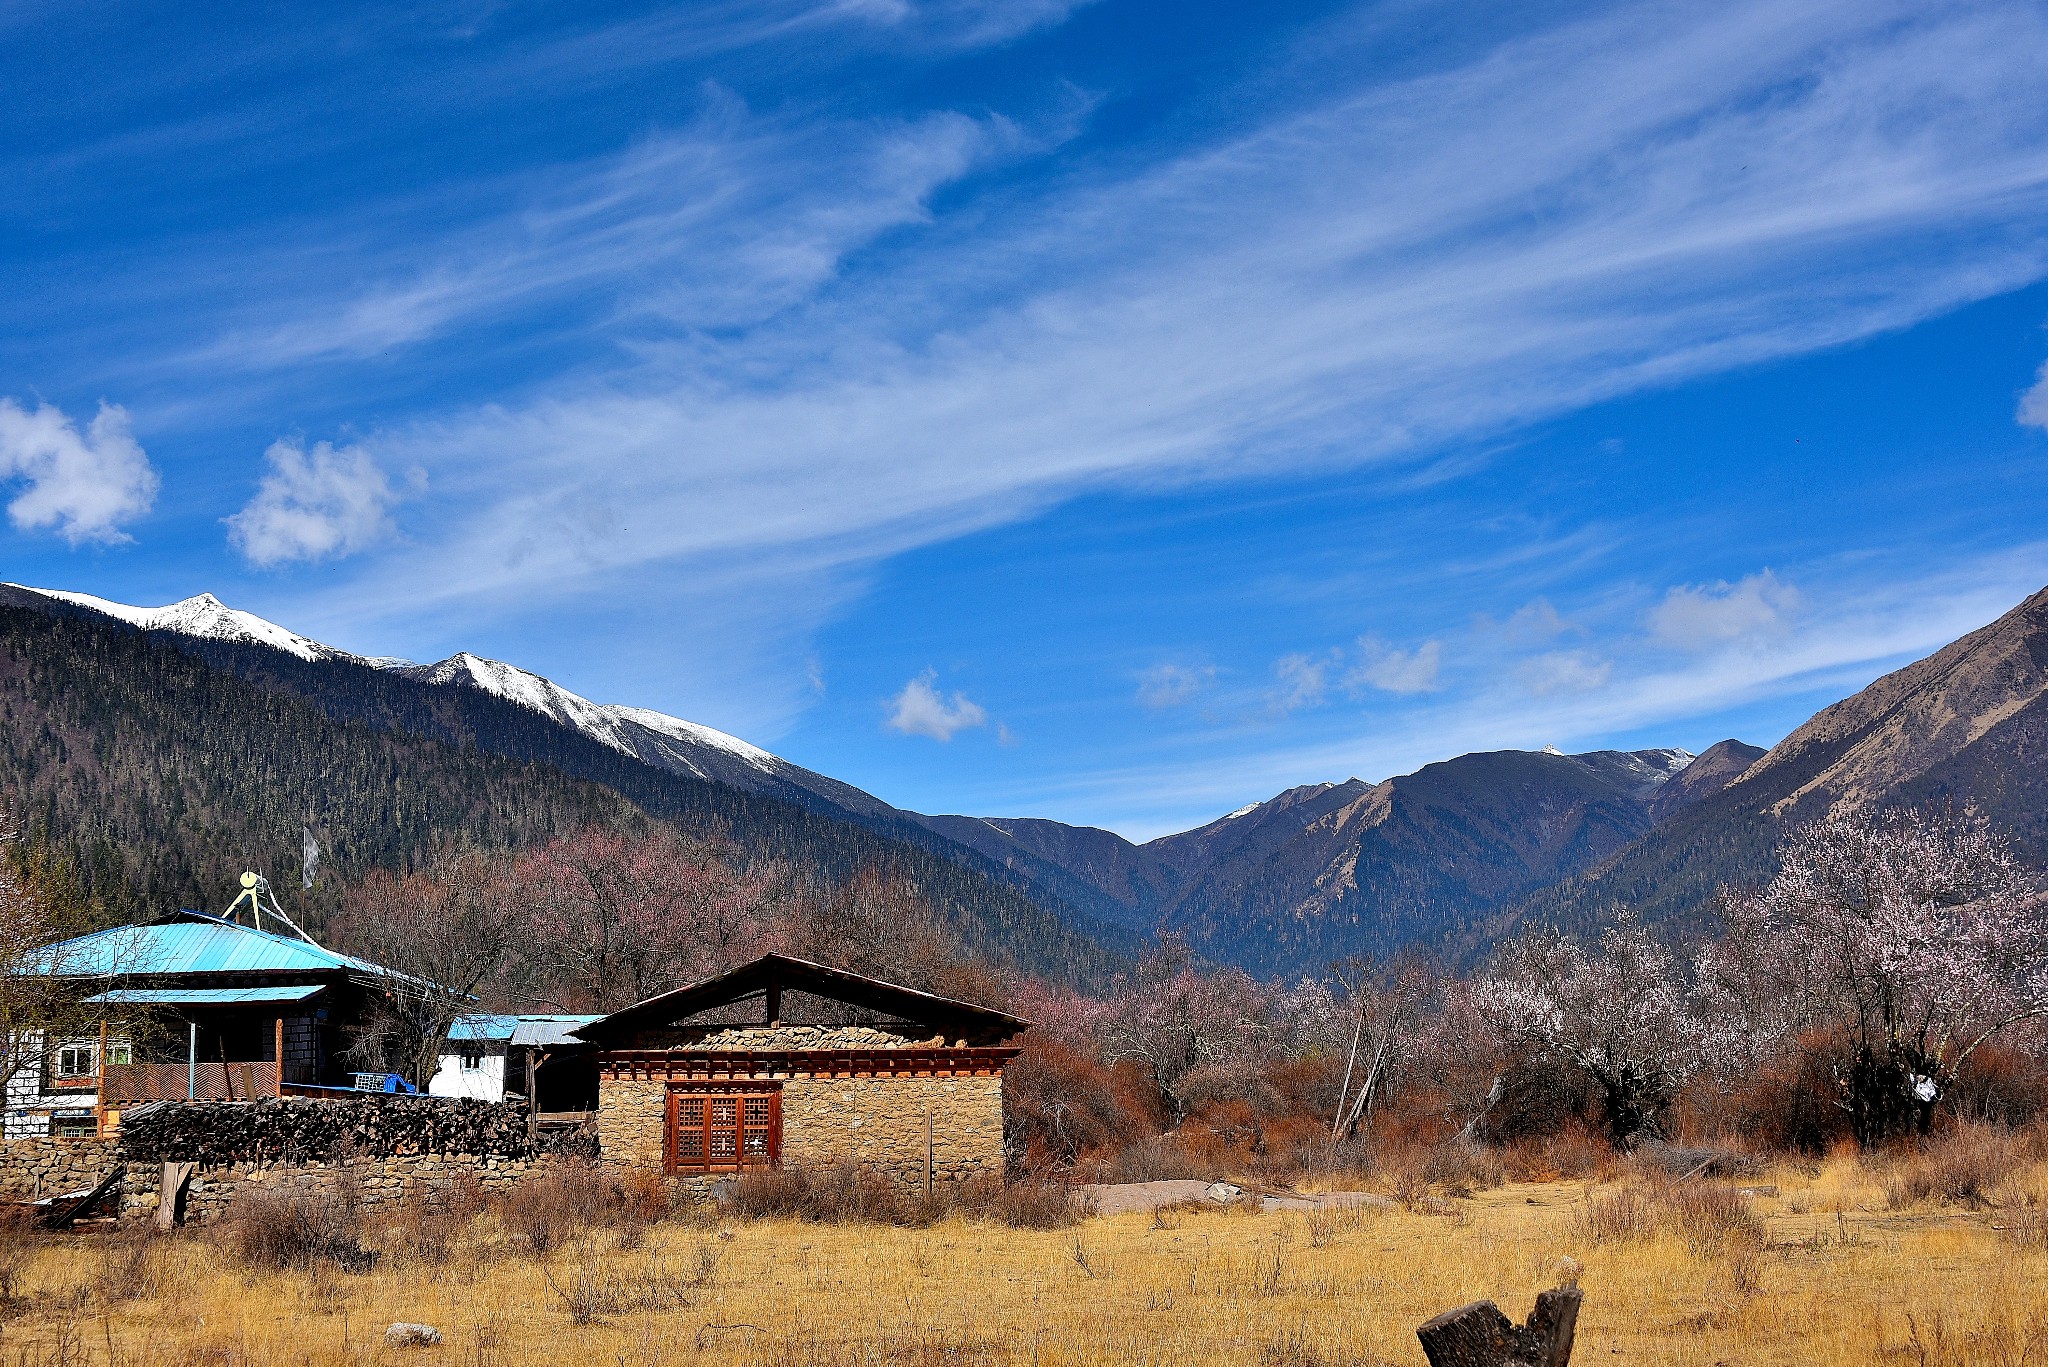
[1619,202]
[721,224]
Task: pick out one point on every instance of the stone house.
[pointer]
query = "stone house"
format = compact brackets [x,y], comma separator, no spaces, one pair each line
[786,1063]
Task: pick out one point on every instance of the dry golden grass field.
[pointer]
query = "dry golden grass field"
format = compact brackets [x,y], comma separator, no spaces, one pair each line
[1847,1264]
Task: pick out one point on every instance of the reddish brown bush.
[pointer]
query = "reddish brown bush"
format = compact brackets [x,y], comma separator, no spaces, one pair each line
[1060,1106]
[1789,1104]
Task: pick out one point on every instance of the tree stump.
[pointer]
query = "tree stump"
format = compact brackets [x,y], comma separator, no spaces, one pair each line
[1479,1335]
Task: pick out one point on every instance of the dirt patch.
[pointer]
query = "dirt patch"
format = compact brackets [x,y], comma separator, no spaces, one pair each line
[1118,1198]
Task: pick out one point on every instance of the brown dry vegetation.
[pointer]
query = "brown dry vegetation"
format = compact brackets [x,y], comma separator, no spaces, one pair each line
[1936,1257]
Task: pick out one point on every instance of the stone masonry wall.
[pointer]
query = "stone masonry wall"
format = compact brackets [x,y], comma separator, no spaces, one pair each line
[784,1037]
[631,1115]
[427,1180]
[33,1168]
[877,1122]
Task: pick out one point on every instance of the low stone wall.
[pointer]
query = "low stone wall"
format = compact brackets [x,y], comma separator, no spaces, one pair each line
[41,1166]
[423,1180]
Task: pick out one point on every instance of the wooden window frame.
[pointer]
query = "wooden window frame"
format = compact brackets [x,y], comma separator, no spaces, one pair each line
[83,1081]
[685,1095]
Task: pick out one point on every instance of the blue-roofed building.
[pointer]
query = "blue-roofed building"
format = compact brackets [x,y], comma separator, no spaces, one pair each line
[197,1006]
[493,1057]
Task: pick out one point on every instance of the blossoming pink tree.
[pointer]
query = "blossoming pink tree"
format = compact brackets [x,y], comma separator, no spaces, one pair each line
[1176,1019]
[1625,1016]
[1918,937]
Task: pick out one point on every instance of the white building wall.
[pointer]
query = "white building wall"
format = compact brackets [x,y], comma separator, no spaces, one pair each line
[28,1106]
[486,1083]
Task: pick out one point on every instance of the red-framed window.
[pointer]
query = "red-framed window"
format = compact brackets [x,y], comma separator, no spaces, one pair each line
[723,1128]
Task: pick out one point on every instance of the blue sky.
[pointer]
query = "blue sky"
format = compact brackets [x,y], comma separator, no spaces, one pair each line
[1109,411]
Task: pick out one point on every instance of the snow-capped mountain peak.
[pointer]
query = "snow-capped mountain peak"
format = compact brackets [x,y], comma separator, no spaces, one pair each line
[654,737]
[201,615]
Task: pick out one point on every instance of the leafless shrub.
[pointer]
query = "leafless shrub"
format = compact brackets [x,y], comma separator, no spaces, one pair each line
[842,1194]
[594,1288]
[548,1209]
[283,1230]
[19,1239]
[1709,1216]
[2024,1223]
[1964,1167]
[1619,1216]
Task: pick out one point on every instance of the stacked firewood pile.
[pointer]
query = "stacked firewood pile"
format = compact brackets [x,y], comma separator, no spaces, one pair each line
[305,1130]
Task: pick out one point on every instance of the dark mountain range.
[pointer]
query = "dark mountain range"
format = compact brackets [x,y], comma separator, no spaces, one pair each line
[1332,869]
[164,763]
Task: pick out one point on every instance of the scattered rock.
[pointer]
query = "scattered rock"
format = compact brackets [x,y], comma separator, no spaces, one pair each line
[411,1336]
[1223,1193]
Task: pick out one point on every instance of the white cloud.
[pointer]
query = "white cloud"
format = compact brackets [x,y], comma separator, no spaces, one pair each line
[919,710]
[1758,607]
[85,486]
[1395,671]
[1564,671]
[1538,621]
[2034,403]
[1171,685]
[313,505]
[1303,681]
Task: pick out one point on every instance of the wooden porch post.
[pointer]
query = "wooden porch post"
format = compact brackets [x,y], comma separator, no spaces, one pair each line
[99,1086]
[280,1053]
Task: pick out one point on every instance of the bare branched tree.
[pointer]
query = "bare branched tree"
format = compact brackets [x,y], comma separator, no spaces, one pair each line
[1387,1005]
[621,918]
[45,981]
[1174,1018]
[446,933]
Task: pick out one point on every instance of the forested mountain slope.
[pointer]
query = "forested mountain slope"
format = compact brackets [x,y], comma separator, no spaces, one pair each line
[165,764]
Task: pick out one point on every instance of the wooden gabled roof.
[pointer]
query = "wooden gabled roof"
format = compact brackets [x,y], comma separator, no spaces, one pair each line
[772,974]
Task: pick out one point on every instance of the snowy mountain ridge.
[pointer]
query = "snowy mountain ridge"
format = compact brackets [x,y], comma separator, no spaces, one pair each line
[626,729]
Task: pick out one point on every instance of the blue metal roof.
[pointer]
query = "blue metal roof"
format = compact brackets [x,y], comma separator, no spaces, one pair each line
[526,1029]
[483,1027]
[194,943]
[203,996]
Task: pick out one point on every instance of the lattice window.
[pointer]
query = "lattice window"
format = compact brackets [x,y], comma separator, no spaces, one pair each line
[723,1130]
